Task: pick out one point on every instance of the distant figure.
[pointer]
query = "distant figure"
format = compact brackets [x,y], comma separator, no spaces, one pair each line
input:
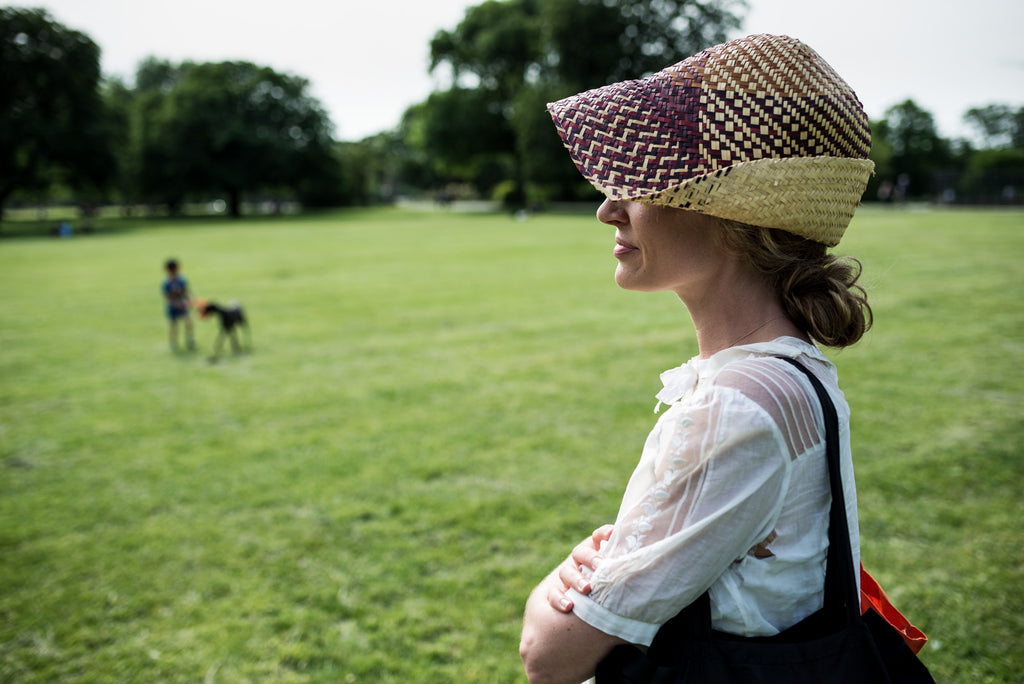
[175,290]
[232,319]
[443,198]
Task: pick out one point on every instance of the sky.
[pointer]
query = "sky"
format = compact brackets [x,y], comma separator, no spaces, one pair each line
[367,61]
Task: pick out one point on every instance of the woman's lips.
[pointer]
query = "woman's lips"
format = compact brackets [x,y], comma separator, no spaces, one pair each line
[622,248]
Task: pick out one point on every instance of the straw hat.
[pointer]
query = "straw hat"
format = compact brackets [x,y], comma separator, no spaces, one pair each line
[759,130]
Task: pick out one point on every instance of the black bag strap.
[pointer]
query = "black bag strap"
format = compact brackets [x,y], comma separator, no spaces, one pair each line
[840,582]
[842,602]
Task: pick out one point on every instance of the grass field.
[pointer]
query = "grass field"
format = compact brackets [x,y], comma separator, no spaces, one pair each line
[437,407]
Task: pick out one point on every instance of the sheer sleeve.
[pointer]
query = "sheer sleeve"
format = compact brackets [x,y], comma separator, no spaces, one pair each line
[708,490]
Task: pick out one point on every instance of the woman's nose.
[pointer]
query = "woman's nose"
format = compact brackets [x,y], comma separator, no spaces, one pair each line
[611,212]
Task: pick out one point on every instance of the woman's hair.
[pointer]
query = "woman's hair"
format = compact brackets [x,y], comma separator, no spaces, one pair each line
[818,291]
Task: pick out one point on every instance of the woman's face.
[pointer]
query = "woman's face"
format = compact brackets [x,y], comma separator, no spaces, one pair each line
[661,248]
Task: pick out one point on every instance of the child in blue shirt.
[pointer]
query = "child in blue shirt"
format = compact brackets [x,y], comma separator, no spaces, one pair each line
[175,290]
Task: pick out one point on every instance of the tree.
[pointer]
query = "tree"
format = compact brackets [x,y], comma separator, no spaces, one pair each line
[880,184]
[634,37]
[999,125]
[466,135]
[917,150]
[516,55]
[231,128]
[52,121]
[119,102]
[496,41]
[159,171]
[995,174]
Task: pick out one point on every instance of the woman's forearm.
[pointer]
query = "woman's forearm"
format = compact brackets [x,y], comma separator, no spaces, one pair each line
[558,647]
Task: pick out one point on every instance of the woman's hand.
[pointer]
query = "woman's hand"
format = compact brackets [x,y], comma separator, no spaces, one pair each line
[587,554]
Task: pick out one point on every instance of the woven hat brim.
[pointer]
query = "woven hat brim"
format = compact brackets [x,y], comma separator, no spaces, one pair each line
[814,197]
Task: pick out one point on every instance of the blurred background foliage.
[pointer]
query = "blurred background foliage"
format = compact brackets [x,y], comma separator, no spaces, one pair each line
[232,133]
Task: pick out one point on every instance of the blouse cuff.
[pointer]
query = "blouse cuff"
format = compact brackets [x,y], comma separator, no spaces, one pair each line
[599,617]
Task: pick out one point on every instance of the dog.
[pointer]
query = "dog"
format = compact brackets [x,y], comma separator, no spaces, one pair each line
[232,319]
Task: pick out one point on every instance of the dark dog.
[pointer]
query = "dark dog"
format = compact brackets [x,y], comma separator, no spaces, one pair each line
[232,319]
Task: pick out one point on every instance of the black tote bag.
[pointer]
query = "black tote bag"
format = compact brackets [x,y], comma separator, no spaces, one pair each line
[834,645]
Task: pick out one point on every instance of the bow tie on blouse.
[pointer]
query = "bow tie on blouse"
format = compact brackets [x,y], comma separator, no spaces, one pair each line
[677,382]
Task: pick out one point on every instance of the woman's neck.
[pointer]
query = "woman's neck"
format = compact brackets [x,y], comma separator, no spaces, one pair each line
[743,313]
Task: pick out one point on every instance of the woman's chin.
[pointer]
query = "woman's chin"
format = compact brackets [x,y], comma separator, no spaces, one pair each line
[627,280]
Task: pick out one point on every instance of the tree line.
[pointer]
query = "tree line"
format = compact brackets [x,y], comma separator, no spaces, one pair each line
[239,131]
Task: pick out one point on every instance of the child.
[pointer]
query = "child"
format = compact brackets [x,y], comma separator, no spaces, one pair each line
[175,290]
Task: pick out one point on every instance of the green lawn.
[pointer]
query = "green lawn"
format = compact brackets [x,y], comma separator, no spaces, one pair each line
[437,407]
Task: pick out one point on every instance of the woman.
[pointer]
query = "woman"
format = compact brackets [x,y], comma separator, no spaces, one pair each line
[727,177]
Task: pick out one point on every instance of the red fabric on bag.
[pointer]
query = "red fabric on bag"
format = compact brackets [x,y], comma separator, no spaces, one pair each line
[872,596]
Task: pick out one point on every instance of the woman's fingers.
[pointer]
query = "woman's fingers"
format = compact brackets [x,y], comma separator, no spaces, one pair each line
[558,599]
[571,576]
[602,533]
[586,554]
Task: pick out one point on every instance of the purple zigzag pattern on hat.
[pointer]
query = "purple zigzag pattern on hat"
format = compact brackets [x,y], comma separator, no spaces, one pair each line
[635,151]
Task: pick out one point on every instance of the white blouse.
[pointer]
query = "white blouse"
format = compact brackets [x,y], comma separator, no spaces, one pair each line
[731,493]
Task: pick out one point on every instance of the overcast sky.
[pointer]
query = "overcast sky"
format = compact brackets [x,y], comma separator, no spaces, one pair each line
[367,59]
